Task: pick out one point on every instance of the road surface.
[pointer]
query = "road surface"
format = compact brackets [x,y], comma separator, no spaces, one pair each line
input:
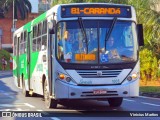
[12,99]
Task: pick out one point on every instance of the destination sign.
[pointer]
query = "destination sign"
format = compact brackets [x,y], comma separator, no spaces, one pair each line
[85,57]
[95,11]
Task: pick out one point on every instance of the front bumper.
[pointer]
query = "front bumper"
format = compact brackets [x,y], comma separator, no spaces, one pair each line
[67,91]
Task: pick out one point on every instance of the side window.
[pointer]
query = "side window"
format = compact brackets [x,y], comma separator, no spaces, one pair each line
[25,36]
[21,48]
[18,47]
[34,42]
[15,46]
[34,45]
[39,41]
[39,44]
[44,30]
[21,40]
[44,36]
[39,29]
[44,42]
[34,31]
[25,41]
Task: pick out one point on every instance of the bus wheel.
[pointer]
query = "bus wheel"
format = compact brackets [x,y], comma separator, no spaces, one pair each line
[115,102]
[49,102]
[24,91]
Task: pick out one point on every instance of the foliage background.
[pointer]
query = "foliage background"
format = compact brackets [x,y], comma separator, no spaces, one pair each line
[21,8]
[7,57]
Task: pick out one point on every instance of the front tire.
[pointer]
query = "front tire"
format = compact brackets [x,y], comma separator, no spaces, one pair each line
[49,102]
[115,102]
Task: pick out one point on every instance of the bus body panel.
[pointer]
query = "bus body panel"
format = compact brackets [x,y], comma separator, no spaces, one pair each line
[93,79]
[86,92]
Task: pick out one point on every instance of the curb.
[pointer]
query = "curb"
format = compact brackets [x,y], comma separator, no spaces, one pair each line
[149,97]
[6,72]
[150,94]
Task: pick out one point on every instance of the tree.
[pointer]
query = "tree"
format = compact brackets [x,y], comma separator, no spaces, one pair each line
[21,7]
[149,65]
[2,7]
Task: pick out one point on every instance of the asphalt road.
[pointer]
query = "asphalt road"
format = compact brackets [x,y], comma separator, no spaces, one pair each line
[12,99]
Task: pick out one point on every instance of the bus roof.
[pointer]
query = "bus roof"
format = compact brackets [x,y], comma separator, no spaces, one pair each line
[43,16]
[92,4]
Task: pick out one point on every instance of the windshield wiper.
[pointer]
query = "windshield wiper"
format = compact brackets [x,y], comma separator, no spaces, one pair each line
[83,31]
[110,31]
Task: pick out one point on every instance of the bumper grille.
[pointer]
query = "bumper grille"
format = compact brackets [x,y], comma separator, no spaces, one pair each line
[94,73]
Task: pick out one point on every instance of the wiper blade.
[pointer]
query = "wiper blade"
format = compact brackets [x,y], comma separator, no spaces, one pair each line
[83,31]
[110,31]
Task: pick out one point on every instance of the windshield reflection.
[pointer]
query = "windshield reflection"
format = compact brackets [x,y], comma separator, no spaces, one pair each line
[120,47]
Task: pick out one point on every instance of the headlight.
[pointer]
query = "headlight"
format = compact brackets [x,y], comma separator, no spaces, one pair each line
[65,78]
[129,78]
[132,76]
[68,79]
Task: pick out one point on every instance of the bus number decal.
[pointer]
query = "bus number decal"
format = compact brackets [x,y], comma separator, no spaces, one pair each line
[85,82]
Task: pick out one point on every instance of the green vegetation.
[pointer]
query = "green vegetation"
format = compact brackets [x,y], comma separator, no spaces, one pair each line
[149,65]
[7,57]
[150,89]
[21,7]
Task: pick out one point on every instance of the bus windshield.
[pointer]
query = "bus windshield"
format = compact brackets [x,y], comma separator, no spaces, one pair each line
[73,46]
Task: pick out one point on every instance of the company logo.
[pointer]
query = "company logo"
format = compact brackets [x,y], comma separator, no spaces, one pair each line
[99,73]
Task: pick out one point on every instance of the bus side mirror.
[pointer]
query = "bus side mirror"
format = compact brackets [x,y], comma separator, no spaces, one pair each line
[52,26]
[140,34]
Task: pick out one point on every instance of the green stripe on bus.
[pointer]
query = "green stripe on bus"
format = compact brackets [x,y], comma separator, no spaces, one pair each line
[27,27]
[39,19]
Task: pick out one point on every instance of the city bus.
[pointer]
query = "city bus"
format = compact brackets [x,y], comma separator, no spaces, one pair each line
[64,54]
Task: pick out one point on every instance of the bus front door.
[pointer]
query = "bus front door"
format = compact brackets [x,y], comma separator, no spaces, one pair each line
[29,59]
[18,61]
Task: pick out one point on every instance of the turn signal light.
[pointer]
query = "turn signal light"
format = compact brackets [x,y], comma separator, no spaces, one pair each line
[61,76]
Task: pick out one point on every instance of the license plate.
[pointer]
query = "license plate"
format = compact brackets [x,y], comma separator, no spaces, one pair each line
[99,92]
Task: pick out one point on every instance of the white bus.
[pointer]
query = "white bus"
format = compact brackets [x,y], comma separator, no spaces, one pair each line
[80,51]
